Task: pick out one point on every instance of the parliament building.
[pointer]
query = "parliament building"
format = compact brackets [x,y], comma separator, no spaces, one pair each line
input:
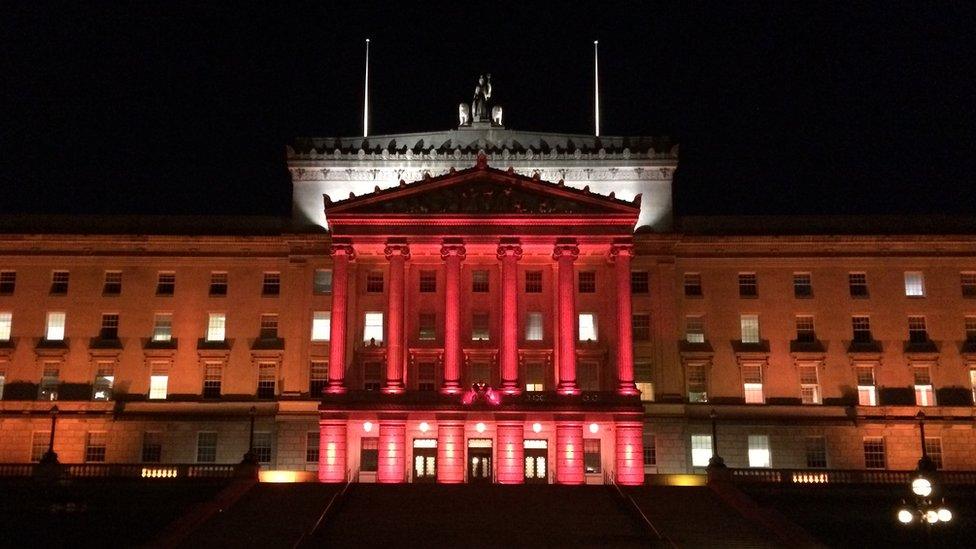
[488,305]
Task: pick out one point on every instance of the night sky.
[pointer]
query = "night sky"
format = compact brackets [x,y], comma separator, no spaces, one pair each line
[780,108]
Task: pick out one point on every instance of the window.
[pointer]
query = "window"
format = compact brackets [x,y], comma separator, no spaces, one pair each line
[59,282]
[697,383]
[318,377]
[6,324]
[269,326]
[752,384]
[374,282]
[369,454]
[428,282]
[425,377]
[694,329]
[271,285]
[816,450]
[162,327]
[312,447]
[428,326]
[642,378]
[535,377]
[216,326]
[587,327]
[650,450]
[267,379]
[639,282]
[166,284]
[972,383]
[533,326]
[588,376]
[373,328]
[104,381]
[113,283]
[479,327]
[533,282]
[152,447]
[924,394]
[262,446]
[591,455]
[810,385]
[207,447]
[759,451]
[804,329]
[693,285]
[802,285]
[862,329]
[933,447]
[748,285]
[110,326]
[212,379]
[479,281]
[55,327]
[641,326]
[970,324]
[967,279]
[481,372]
[867,393]
[914,284]
[8,282]
[39,444]
[218,284]
[322,326]
[916,329]
[50,381]
[587,282]
[750,328]
[858,284]
[874,453]
[158,381]
[95,447]
[322,281]
[372,376]
[701,450]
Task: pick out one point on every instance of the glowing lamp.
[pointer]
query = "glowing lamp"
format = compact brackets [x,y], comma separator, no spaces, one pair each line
[922,487]
[424,427]
[537,427]
[905,516]
[480,427]
[368,426]
[931,516]
[594,428]
[945,515]
[330,453]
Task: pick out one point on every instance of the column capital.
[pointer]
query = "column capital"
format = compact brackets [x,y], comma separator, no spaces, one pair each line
[449,249]
[621,249]
[395,249]
[343,249]
[565,249]
[509,249]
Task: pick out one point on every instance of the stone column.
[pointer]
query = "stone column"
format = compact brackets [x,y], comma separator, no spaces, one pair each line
[509,254]
[565,254]
[342,254]
[450,449]
[392,450]
[452,254]
[510,452]
[569,450]
[629,458]
[332,449]
[397,254]
[620,255]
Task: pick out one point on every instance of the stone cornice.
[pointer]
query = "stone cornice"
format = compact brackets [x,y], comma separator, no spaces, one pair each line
[409,172]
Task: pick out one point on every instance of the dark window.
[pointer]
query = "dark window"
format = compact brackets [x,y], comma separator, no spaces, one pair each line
[262,447]
[587,282]
[110,327]
[59,282]
[8,281]
[113,283]
[267,380]
[218,284]
[428,329]
[269,327]
[802,285]
[816,450]
[917,333]
[533,282]
[312,447]
[804,329]
[372,376]
[479,327]
[639,282]
[95,448]
[591,455]
[322,283]
[693,285]
[166,284]
[152,447]
[479,281]
[369,455]
[642,327]
[968,281]
[425,376]
[428,282]
[271,286]
[374,282]
[318,377]
[211,380]
[862,329]
[858,283]
[748,285]
[650,449]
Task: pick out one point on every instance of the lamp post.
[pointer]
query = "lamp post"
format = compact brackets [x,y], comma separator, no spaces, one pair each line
[716,461]
[925,463]
[51,457]
[926,506]
[250,458]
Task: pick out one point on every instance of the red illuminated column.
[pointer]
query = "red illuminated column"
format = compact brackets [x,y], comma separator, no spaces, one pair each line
[452,254]
[511,467]
[392,451]
[342,254]
[450,450]
[565,255]
[569,451]
[332,449]
[621,255]
[509,254]
[629,452]
[397,254]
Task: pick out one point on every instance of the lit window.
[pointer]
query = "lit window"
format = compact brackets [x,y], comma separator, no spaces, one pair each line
[858,284]
[372,376]
[533,327]
[218,284]
[748,285]
[694,329]
[267,379]
[816,452]
[322,326]
[479,281]
[802,285]
[374,282]
[104,380]
[8,282]
[759,451]
[6,324]
[750,328]
[804,329]
[862,329]
[641,327]
[701,450]
[587,282]
[917,333]
[269,326]
[587,327]
[591,455]
[428,326]
[972,383]
[55,327]
[752,384]
[113,283]
[95,447]
[262,447]
[59,282]
[158,381]
[642,378]
[162,327]
[924,394]
[318,377]
[533,282]
[212,379]
[425,376]
[874,453]
[697,383]
[428,282]
[650,450]
[967,279]
[39,444]
[867,394]
[322,282]
[914,284]
[588,376]
[50,382]
[809,385]
[166,284]
[534,377]
[312,447]
[216,326]
[479,327]
[207,447]
[110,327]
[271,285]
[933,447]
[152,447]
[639,282]
[693,285]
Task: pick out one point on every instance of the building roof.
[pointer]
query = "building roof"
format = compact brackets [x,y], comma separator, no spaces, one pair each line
[790,225]
[198,225]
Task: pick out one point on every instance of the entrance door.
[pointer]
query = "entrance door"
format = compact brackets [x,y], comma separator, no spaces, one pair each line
[479,461]
[536,463]
[425,460]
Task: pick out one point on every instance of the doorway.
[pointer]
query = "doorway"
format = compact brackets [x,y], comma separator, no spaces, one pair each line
[425,460]
[479,461]
[536,461]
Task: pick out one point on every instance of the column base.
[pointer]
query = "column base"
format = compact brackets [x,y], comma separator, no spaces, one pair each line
[451,388]
[393,388]
[511,388]
[568,389]
[628,388]
[335,388]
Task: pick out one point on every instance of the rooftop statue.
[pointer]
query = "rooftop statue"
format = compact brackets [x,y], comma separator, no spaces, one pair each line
[479,109]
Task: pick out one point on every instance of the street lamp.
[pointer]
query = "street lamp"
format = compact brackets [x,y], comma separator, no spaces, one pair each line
[716,461]
[924,507]
[50,457]
[250,457]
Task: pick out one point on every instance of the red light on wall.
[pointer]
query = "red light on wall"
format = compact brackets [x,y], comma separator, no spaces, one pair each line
[392,446]
[510,453]
[569,452]
[450,452]
[332,450]
[630,453]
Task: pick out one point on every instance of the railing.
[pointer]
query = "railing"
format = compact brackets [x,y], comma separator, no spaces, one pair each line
[323,517]
[842,476]
[611,479]
[127,470]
